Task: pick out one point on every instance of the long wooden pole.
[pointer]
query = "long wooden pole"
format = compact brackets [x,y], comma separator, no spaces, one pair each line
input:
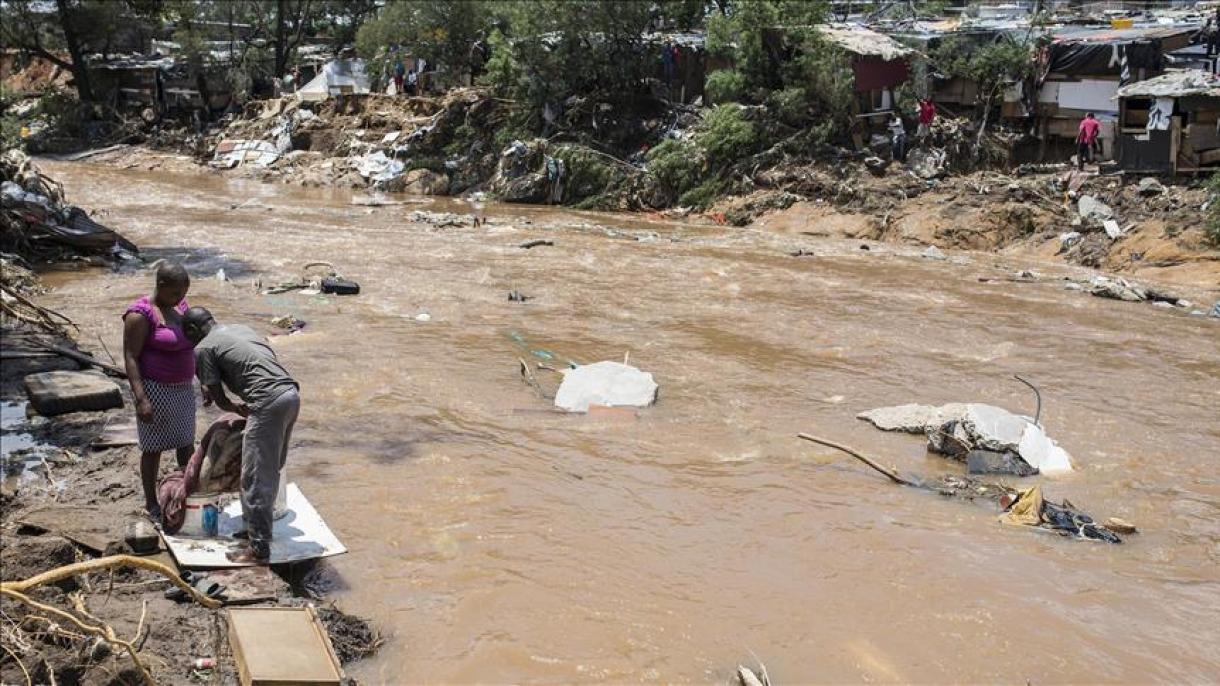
[82,358]
[889,473]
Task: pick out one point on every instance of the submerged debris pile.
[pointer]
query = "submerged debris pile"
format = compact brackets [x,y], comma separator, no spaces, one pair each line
[36,223]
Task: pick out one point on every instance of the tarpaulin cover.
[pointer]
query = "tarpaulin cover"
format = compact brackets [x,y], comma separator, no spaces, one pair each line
[1077,58]
[874,73]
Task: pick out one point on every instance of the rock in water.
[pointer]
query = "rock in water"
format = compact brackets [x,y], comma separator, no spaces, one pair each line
[605,383]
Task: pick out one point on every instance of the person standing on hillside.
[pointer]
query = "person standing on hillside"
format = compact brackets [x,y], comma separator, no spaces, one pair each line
[898,137]
[1086,138]
[927,114]
[236,357]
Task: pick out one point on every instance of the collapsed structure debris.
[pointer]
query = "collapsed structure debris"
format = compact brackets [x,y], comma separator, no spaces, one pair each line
[997,438]
[37,224]
[1024,507]
[610,384]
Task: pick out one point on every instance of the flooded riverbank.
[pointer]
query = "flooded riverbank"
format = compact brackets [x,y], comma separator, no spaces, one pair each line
[496,543]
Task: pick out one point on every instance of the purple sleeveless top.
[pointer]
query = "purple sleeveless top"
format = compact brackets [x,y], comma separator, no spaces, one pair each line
[168,356]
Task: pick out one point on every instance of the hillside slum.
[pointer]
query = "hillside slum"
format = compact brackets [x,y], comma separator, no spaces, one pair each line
[338,123]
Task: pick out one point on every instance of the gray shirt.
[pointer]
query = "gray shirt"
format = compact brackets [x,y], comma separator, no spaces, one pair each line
[239,357]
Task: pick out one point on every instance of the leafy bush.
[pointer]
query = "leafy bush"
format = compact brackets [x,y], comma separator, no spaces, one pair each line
[702,196]
[675,164]
[791,105]
[587,173]
[727,135]
[725,85]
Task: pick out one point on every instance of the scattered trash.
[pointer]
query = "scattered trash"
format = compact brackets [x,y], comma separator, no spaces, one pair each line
[378,168]
[1031,509]
[289,323]
[1117,289]
[1216,309]
[441,219]
[956,429]
[339,286]
[1112,229]
[536,243]
[1149,186]
[518,297]
[934,253]
[237,153]
[1067,240]
[1120,526]
[1026,507]
[1092,209]
[607,383]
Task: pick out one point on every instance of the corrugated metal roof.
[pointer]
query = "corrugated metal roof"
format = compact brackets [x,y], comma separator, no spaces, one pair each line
[859,40]
[1174,84]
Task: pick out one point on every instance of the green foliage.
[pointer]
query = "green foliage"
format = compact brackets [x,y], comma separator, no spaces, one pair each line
[440,31]
[725,85]
[702,196]
[791,105]
[1212,227]
[460,140]
[675,164]
[587,174]
[991,65]
[503,73]
[726,135]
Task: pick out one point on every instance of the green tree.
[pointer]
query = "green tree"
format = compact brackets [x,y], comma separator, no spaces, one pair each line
[66,26]
[441,32]
[991,66]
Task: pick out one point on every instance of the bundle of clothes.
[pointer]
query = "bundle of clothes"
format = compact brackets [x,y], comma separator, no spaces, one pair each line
[215,467]
[1028,508]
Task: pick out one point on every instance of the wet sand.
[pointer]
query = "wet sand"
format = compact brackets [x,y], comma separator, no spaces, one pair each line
[495,542]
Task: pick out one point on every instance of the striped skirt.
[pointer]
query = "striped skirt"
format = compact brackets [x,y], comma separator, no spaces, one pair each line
[173,424]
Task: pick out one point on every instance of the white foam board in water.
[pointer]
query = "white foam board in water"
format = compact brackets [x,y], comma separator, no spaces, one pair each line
[299,535]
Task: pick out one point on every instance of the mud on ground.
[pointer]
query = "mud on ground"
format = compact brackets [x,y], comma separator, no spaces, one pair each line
[62,472]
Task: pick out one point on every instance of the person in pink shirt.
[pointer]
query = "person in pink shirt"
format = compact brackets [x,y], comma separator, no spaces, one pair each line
[160,363]
[1086,138]
[927,114]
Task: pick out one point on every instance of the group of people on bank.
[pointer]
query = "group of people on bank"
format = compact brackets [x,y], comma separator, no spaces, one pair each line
[167,345]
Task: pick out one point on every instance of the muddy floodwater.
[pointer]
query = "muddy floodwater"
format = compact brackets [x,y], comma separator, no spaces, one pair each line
[493,541]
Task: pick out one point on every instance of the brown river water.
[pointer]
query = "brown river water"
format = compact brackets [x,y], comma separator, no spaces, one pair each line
[493,541]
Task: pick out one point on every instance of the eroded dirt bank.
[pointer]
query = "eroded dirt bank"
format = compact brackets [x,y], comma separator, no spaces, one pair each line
[498,542]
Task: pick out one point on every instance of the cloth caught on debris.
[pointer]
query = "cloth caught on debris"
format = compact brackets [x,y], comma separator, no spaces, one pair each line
[1027,510]
[1031,509]
[214,468]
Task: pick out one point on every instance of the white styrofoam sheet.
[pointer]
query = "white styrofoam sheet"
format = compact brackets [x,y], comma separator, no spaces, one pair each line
[299,535]
[1096,95]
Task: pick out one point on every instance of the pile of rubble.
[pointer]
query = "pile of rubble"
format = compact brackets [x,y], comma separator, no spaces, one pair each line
[37,225]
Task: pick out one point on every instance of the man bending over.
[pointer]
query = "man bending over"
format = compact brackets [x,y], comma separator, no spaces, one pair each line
[236,357]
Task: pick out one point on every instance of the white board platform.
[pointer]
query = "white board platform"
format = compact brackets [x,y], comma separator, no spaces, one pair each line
[299,535]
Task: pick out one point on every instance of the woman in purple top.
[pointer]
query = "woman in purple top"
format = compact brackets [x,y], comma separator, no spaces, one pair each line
[160,362]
